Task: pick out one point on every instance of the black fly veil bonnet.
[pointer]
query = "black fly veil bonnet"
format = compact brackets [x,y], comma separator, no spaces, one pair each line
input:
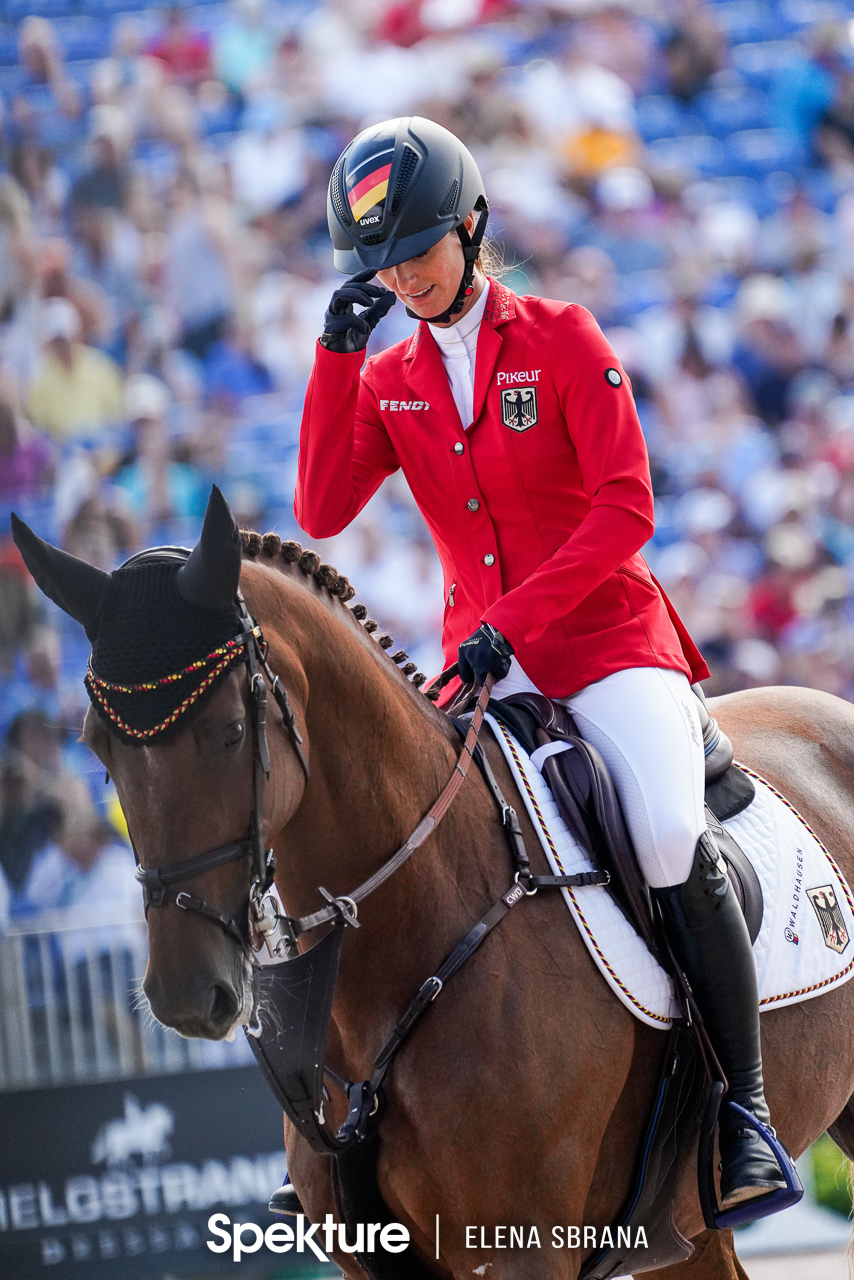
[165,627]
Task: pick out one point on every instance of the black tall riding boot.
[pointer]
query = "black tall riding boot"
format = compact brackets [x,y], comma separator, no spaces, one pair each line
[285,1202]
[709,939]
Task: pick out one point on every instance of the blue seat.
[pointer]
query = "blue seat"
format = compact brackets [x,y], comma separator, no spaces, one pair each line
[58,133]
[8,47]
[108,8]
[727,110]
[759,62]
[758,151]
[218,128]
[207,15]
[744,20]
[83,37]
[721,291]
[821,188]
[797,15]
[14,9]
[699,153]
[80,70]
[744,190]
[638,290]
[659,116]
[11,78]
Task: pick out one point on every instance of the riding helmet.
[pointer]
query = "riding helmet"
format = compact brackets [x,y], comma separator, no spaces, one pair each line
[396,190]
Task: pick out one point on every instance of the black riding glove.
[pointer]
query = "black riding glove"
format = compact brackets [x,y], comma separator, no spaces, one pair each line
[345,330]
[484,653]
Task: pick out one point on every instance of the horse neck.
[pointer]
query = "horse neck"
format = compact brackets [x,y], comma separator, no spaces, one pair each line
[378,761]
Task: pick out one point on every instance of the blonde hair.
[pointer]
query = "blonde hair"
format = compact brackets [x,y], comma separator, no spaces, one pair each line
[490,260]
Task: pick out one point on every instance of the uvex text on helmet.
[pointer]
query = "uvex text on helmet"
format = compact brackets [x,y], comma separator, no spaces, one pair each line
[396,190]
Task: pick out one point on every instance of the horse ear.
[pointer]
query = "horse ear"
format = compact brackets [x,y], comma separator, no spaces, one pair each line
[211,576]
[77,587]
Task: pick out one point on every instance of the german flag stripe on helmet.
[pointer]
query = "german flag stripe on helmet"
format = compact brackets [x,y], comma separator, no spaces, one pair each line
[369,191]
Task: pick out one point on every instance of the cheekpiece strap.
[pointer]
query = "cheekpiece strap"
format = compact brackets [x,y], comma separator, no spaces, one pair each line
[471,248]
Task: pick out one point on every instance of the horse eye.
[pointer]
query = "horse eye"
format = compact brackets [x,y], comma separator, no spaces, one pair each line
[233,734]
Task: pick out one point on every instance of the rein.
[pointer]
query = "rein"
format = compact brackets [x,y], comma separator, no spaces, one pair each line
[346,907]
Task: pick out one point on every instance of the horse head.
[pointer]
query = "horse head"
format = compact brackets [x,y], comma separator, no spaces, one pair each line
[172,720]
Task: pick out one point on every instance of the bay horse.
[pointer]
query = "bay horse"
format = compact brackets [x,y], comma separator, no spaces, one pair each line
[522,1095]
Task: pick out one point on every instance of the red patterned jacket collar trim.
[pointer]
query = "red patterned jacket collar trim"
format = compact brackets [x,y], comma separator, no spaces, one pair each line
[500,307]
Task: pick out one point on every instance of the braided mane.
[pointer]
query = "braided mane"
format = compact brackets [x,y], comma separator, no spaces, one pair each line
[339,587]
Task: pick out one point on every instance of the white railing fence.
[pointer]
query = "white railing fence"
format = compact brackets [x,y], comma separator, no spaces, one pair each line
[71,1008]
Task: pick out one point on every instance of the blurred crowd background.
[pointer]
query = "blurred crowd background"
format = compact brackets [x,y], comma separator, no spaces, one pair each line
[685,170]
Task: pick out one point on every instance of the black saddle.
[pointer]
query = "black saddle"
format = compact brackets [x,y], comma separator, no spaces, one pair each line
[587,799]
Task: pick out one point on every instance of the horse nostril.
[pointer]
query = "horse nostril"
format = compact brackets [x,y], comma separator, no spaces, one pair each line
[223,1007]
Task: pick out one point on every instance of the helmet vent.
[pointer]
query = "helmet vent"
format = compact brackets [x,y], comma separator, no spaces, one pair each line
[338,201]
[450,199]
[407,167]
[376,238]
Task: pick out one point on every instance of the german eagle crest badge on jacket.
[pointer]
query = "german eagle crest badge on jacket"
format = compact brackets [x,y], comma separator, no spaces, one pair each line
[519,408]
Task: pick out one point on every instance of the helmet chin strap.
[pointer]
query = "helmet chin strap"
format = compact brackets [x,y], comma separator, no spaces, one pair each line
[471,249]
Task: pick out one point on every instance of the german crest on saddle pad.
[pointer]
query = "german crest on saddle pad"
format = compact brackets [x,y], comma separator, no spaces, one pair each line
[519,408]
[830,917]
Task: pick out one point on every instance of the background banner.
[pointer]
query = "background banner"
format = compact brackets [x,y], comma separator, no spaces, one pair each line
[116,1181]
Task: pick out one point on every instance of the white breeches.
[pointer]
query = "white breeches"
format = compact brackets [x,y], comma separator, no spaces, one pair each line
[645,723]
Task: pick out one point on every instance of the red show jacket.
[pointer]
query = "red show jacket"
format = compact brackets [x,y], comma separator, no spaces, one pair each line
[538,511]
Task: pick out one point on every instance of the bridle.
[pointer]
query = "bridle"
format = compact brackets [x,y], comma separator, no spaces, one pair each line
[158,882]
[264,921]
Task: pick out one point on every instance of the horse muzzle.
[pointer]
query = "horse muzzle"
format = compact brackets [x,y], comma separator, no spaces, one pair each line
[196,1005]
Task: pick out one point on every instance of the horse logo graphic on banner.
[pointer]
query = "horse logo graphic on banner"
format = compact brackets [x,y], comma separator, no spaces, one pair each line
[830,917]
[519,408]
[142,1131]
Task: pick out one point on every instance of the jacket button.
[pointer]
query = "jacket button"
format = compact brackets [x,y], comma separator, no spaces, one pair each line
[489,558]
[472,504]
[459,447]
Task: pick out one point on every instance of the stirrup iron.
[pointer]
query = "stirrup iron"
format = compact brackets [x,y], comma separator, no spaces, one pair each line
[717,1219]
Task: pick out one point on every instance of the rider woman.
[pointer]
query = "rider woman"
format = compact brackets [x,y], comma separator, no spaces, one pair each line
[516,429]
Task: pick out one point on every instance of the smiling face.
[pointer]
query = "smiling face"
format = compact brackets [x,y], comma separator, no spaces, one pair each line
[428,283]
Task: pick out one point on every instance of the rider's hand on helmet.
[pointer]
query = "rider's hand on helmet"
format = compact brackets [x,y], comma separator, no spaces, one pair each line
[345,330]
[486,652]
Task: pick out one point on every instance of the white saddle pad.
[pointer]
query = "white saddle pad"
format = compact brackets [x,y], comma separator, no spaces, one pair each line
[804,946]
